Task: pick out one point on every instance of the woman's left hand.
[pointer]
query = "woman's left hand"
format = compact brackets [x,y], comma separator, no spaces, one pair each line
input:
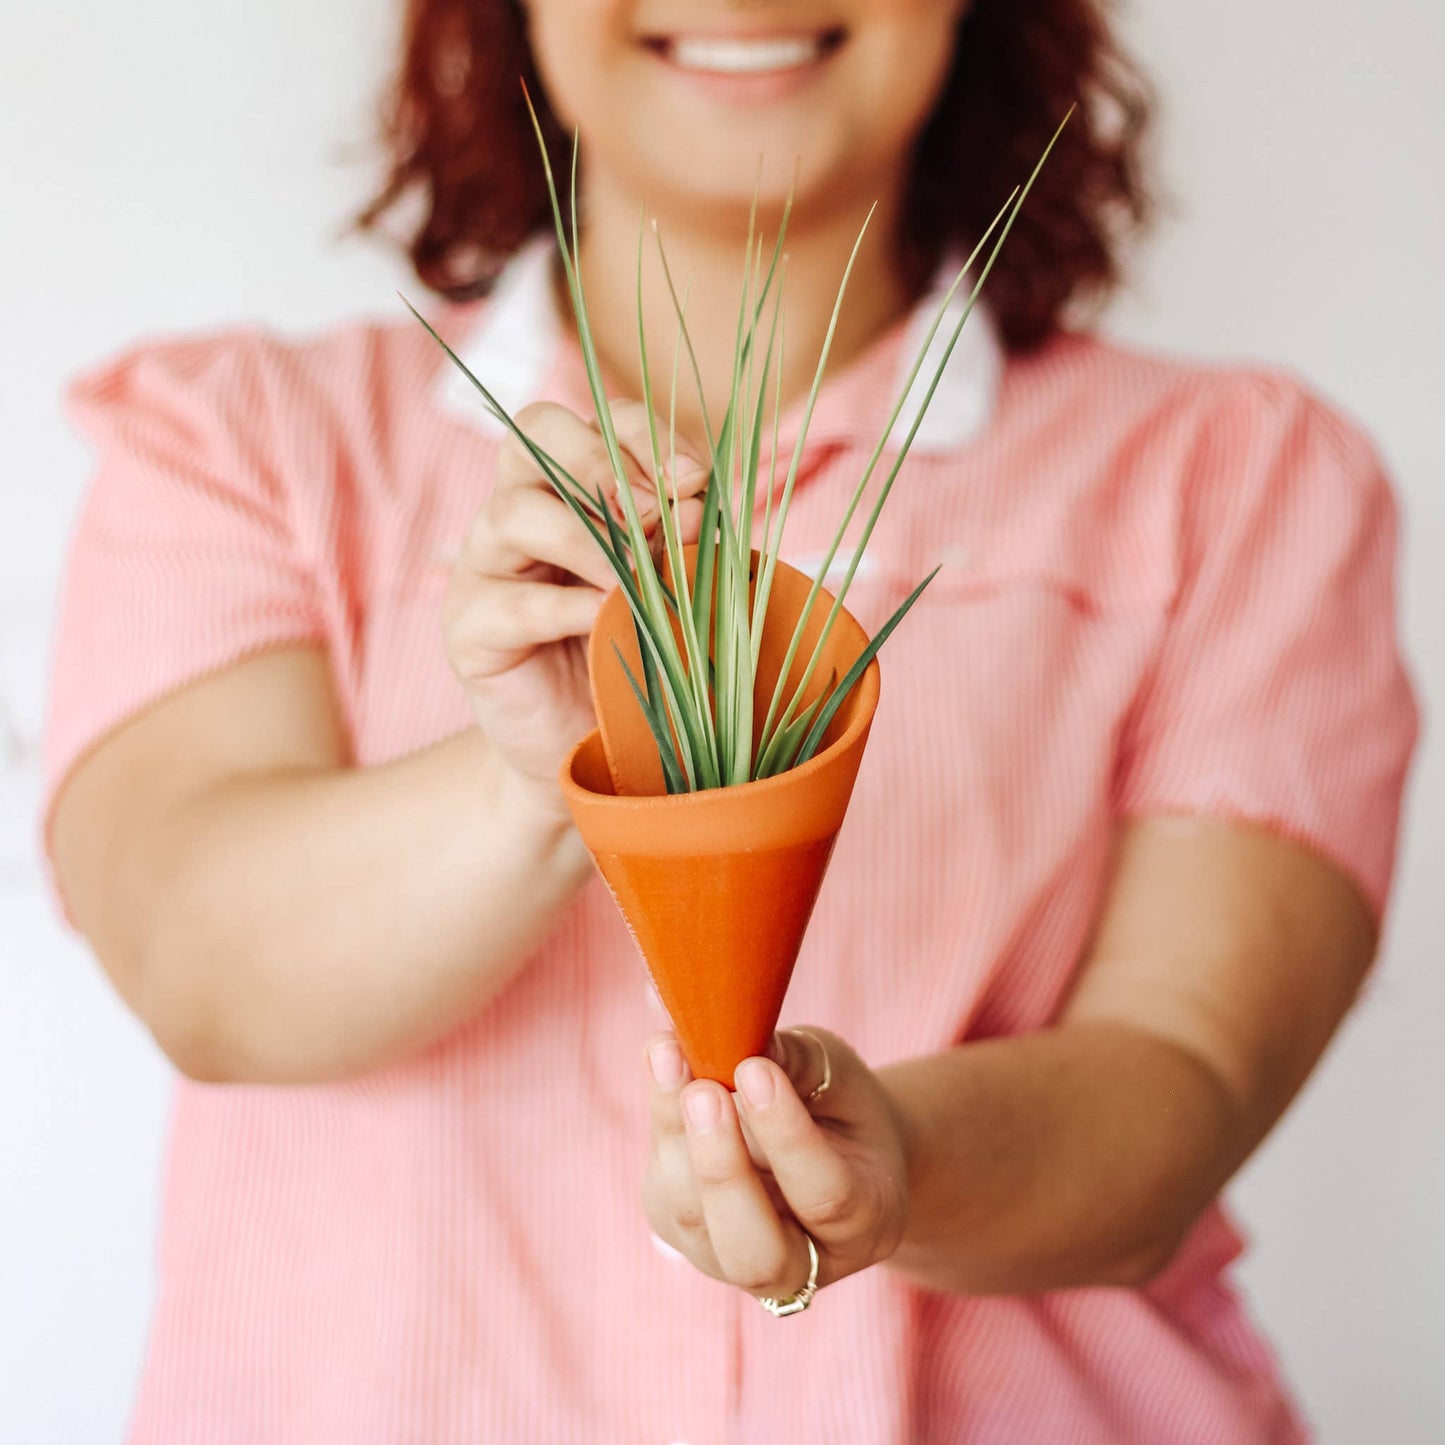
[733,1180]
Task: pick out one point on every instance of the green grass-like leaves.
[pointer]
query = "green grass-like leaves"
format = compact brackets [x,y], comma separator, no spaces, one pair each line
[699,640]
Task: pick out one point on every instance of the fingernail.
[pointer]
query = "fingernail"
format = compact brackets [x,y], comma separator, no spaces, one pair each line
[666,1060]
[703,1111]
[755,1082]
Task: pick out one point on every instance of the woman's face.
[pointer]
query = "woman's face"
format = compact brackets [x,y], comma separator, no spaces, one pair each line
[677,100]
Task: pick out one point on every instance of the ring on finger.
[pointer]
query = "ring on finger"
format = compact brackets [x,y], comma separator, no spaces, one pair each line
[827,1080]
[794,1304]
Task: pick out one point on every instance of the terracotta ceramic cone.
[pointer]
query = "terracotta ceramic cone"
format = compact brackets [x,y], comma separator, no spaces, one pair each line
[717,886]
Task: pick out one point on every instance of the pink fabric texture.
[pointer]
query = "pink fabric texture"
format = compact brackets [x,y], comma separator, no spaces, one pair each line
[1167,588]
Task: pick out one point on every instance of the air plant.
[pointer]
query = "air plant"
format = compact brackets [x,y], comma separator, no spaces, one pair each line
[699,628]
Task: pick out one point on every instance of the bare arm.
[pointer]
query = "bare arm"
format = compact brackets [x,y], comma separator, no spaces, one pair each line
[272,915]
[1223,962]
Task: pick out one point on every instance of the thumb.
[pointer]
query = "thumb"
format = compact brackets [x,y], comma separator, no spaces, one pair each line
[811,1058]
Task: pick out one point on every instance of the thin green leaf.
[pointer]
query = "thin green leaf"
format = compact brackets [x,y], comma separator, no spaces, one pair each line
[760,595]
[699,639]
[672,540]
[661,734]
[654,604]
[797,458]
[781,756]
[851,677]
[1012,210]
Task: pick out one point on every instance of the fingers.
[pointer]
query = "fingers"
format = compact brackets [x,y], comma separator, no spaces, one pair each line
[806,1056]
[506,620]
[736,1181]
[673,1190]
[580,450]
[526,531]
[629,421]
[508,594]
[753,1247]
[572,441]
[667,1073]
[521,526]
[510,524]
[674,1205]
[689,519]
[818,1183]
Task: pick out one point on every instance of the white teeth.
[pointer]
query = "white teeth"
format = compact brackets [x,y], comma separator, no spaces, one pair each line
[744,57]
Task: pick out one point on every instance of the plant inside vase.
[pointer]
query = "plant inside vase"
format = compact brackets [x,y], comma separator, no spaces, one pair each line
[699,612]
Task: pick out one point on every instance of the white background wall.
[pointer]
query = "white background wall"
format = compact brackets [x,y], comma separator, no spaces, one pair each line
[172,165]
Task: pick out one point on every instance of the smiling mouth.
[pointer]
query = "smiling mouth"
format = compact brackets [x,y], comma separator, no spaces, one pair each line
[745,55]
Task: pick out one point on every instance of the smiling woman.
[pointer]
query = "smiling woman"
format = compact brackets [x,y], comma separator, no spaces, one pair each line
[879,77]
[1113,869]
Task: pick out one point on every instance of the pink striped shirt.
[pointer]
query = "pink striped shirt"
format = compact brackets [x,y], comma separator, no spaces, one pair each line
[1167,588]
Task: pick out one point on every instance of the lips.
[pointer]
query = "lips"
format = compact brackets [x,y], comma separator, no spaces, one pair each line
[745,55]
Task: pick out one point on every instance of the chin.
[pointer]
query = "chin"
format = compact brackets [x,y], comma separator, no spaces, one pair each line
[721,179]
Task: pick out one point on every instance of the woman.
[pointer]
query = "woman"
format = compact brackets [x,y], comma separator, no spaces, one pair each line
[1114,870]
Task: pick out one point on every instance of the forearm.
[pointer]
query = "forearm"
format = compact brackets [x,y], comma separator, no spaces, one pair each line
[315,925]
[1072,1157]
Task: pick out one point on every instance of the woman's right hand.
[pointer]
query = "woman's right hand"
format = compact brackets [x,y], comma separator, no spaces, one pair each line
[529,581]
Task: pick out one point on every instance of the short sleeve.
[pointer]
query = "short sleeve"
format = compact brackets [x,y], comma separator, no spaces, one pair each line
[1279,696]
[183,558]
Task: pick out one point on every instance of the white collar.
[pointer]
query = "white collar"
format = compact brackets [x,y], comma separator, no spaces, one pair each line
[515,343]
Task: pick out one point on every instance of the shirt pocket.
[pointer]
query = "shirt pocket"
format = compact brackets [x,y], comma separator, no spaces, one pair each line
[1089,573]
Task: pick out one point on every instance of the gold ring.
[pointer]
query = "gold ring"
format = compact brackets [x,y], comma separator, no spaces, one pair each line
[795,1304]
[823,1087]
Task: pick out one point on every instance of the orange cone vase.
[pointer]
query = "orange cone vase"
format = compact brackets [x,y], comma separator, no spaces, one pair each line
[718,886]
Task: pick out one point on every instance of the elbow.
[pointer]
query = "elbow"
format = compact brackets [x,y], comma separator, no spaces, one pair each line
[214,1056]
[202,1028]
[206,1051]
[196,1053]
[213,1037]
[1145,1260]
[211,1031]
[179,1018]
[187,1032]
[211,1041]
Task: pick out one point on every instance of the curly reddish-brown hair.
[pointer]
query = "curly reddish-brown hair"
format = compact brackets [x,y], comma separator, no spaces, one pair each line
[461,149]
